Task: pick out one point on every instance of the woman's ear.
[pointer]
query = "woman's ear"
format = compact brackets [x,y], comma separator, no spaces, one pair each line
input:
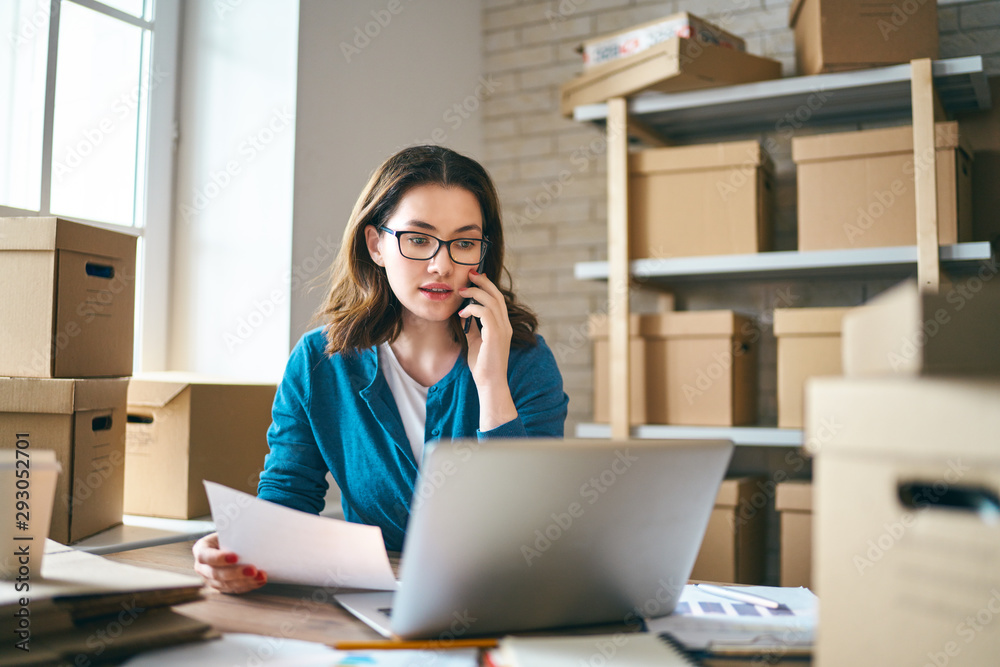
[373,240]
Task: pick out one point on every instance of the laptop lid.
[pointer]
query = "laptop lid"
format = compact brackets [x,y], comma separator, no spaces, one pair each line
[510,535]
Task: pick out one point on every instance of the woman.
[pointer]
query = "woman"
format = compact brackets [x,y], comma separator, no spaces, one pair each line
[420,343]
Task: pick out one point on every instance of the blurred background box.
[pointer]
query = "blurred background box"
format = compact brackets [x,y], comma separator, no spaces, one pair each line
[808,345]
[84,422]
[903,331]
[734,545]
[793,501]
[598,327]
[184,428]
[701,368]
[711,199]
[855,189]
[836,35]
[69,297]
[907,476]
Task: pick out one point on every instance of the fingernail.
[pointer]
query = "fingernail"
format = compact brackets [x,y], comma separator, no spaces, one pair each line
[249,571]
[474,272]
[231,558]
[260,576]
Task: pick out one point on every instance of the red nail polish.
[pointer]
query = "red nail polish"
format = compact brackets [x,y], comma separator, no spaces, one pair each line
[231,558]
[260,576]
[473,272]
[248,571]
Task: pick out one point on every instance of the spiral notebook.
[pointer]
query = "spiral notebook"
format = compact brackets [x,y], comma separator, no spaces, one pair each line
[640,649]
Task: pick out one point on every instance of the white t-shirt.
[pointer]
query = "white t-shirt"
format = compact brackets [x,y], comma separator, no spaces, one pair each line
[410,395]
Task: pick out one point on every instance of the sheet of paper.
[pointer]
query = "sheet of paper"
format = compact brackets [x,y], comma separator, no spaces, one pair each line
[295,547]
[703,621]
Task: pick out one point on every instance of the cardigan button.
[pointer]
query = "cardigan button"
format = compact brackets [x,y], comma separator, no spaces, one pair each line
[436,431]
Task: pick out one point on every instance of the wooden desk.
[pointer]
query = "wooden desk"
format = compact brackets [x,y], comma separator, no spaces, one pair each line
[277,610]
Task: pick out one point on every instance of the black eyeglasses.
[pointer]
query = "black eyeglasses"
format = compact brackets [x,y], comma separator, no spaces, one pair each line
[422,247]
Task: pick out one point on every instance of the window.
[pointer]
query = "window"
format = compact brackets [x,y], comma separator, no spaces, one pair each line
[87,120]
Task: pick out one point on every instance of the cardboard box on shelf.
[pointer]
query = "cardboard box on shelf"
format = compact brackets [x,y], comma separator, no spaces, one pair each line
[184,428]
[70,289]
[712,199]
[598,327]
[907,332]
[84,422]
[855,189]
[793,502]
[907,477]
[734,545]
[808,346]
[638,38]
[852,34]
[701,368]
[675,65]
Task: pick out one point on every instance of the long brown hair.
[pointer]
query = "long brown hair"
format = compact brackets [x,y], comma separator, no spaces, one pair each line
[361,309]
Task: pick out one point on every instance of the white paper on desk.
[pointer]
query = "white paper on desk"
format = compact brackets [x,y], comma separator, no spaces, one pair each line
[697,630]
[295,547]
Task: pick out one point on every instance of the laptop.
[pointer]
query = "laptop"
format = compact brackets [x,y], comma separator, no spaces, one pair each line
[526,534]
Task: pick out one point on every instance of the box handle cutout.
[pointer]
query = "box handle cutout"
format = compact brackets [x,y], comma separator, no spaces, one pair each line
[100,270]
[139,419]
[978,500]
[101,423]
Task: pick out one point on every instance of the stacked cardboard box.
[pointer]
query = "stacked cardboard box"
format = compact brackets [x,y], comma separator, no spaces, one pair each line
[734,544]
[68,304]
[907,481]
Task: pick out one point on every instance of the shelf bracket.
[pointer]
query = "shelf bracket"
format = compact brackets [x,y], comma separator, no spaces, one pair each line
[927,110]
[618,267]
[646,134]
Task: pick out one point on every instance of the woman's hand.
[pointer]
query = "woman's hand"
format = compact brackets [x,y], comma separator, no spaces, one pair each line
[489,350]
[222,570]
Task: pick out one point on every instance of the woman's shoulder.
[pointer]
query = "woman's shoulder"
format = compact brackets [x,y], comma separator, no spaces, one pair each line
[532,354]
[311,349]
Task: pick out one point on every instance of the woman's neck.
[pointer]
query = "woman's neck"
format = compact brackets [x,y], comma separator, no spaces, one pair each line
[426,350]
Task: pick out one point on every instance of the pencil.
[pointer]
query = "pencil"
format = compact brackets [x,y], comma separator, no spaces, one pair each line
[436,644]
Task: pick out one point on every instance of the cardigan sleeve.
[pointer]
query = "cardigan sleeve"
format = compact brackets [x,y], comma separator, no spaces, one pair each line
[294,472]
[537,389]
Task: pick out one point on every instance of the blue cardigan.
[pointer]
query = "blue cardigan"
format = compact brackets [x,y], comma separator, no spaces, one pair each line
[338,414]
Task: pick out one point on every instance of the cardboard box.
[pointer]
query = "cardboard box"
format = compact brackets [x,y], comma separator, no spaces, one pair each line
[641,37]
[852,34]
[855,189]
[734,544]
[71,290]
[903,331]
[793,501]
[982,129]
[184,428]
[598,327]
[808,345]
[84,422]
[713,199]
[701,368]
[907,477]
[672,66]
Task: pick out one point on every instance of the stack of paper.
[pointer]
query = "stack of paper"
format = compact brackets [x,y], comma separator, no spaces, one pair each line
[618,650]
[82,608]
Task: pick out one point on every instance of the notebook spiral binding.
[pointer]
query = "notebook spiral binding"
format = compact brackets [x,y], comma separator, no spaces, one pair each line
[678,648]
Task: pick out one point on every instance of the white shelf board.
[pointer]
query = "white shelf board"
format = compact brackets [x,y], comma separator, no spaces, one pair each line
[788,103]
[740,435]
[789,264]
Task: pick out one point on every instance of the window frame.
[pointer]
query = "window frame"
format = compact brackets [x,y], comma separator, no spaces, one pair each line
[153,215]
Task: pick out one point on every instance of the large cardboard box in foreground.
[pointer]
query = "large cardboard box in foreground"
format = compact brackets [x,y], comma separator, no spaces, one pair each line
[676,65]
[793,502]
[808,346]
[640,37]
[855,189]
[835,35]
[712,199]
[184,428]
[734,544]
[904,331]
[907,546]
[84,422]
[67,302]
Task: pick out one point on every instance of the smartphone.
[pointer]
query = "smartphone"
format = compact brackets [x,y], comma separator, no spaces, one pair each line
[466,302]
